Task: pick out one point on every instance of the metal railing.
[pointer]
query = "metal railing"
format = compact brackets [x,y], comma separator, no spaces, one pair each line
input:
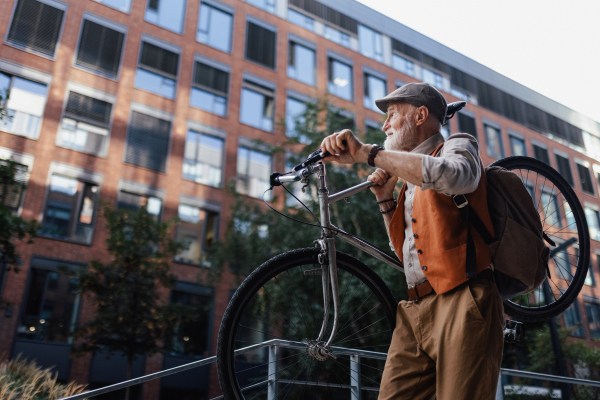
[355,386]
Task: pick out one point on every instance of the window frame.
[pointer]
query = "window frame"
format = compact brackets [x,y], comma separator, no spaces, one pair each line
[81,175]
[375,55]
[585,164]
[206,205]
[296,96]
[252,146]
[201,128]
[516,135]
[558,153]
[366,72]
[107,24]
[294,10]
[580,328]
[225,9]
[299,41]
[106,5]
[152,112]
[165,46]
[264,25]
[141,189]
[471,115]
[349,63]
[253,79]
[51,265]
[181,32]
[198,58]
[52,3]
[595,208]
[96,94]
[596,302]
[494,125]
[543,146]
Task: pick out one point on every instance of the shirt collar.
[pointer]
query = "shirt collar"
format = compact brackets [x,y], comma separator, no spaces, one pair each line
[429,144]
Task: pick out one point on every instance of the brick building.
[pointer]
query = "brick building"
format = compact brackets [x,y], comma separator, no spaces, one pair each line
[156,103]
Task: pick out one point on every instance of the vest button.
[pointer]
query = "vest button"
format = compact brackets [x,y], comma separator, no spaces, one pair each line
[415,236]
[420,251]
[424,268]
[414,220]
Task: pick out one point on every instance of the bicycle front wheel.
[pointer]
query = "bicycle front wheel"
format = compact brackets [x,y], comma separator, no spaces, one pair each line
[564,222]
[281,302]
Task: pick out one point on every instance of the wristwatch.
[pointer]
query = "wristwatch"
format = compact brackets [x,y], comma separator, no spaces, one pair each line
[373,153]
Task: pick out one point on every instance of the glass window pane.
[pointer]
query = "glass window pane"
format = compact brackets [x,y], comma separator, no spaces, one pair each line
[203,159]
[518,146]
[434,79]
[294,114]
[214,28]
[254,170]
[302,64]
[207,101]
[154,83]
[191,338]
[551,213]
[493,141]
[592,311]
[370,43]
[374,89]
[403,65]
[256,110]
[593,220]
[121,5]
[300,19]
[169,14]
[340,79]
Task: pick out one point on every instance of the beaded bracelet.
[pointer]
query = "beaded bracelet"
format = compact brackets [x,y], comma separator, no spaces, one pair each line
[388,211]
[385,201]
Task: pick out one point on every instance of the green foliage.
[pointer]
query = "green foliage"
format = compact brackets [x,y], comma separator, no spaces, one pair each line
[12,227]
[256,233]
[5,116]
[131,314]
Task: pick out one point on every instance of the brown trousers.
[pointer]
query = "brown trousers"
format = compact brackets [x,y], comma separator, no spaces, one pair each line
[449,345]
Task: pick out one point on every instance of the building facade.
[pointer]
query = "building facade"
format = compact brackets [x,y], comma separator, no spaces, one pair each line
[156,104]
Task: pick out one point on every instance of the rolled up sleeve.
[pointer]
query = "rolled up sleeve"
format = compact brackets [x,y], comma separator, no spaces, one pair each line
[457,170]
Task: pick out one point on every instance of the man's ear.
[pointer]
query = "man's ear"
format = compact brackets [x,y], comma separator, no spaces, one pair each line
[421,115]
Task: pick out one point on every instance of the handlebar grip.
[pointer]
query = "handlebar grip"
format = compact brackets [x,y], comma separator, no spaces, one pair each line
[314,157]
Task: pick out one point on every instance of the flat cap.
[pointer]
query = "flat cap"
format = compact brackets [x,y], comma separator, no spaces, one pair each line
[417,94]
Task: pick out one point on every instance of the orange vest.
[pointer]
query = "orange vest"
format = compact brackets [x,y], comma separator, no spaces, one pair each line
[440,234]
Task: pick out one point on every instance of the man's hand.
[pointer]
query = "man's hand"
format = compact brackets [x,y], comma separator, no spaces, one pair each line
[385,184]
[345,148]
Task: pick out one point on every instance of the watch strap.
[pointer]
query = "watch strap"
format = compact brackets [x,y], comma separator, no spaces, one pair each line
[373,153]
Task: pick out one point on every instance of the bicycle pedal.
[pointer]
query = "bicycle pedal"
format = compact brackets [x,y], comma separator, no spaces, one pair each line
[317,271]
[513,331]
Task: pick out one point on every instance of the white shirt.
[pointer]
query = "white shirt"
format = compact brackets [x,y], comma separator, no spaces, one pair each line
[456,170]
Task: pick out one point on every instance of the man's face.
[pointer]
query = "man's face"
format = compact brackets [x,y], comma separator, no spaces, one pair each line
[400,127]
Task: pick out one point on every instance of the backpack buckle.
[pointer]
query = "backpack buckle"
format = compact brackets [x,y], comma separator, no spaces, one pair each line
[462,200]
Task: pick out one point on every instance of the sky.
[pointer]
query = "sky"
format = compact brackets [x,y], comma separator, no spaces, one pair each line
[550,46]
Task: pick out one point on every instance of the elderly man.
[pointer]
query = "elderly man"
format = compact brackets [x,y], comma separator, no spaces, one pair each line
[448,339]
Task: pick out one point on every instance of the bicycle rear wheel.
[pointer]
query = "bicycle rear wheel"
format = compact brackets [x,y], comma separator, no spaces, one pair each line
[563,219]
[281,300]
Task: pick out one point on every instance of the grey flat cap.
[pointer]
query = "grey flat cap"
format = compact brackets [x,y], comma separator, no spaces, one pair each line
[417,94]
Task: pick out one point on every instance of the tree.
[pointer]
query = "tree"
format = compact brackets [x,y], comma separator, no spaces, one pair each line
[12,227]
[131,316]
[256,233]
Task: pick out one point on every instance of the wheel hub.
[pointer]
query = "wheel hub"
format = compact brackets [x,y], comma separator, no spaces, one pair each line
[318,351]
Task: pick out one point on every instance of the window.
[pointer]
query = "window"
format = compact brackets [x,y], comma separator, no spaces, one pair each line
[260,44]
[592,311]
[121,5]
[84,126]
[192,338]
[295,111]
[337,36]
[562,265]
[203,158]
[257,105]
[253,172]
[267,5]
[493,141]
[564,168]
[585,177]
[573,320]
[25,105]
[339,79]
[100,48]
[214,27]
[371,43]
[36,26]
[466,124]
[167,14]
[403,65]
[199,230]
[590,280]
[14,195]
[301,63]
[296,189]
[339,119]
[51,305]
[550,207]
[300,19]
[70,211]
[592,217]
[135,201]
[374,89]
[591,144]
[210,88]
[459,93]
[157,70]
[445,131]
[569,216]
[433,78]
[541,153]
[596,169]
[517,146]
[147,142]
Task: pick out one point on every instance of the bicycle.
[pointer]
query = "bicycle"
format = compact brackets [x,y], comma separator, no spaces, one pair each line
[290,296]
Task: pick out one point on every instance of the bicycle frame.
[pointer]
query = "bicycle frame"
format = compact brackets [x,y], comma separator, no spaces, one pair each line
[327,244]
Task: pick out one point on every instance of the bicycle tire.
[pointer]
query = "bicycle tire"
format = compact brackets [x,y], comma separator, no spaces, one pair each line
[231,369]
[569,284]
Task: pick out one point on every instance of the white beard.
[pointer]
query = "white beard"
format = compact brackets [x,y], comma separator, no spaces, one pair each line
[399,138]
